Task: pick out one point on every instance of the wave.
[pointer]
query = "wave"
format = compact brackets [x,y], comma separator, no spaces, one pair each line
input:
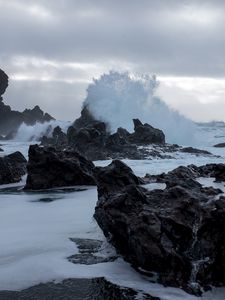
[117,98]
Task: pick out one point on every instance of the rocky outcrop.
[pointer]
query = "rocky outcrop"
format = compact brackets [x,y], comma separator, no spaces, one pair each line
[146,134]
[12,168]
[177,233]
[50,168]
[92,138]
[220,145]
[10,120]
[3,83]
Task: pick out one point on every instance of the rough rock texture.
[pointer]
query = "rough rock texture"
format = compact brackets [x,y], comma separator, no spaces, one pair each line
[178,232]
[49,168]
[10,120]
[76,289]
[146,134]
[12,168]
[92,138]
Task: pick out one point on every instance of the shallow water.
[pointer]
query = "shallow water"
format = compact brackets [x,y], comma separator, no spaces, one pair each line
[35,231]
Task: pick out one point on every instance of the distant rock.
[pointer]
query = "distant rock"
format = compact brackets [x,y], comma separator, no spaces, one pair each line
[195,151]
[12,168]
[220,145]
[10,120]
[146,134]
[177,233]
[49,168]
[3,83]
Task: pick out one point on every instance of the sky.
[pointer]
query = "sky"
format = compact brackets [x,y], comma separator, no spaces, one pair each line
[52,49]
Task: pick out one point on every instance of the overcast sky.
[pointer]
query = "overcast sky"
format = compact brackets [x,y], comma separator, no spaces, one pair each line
[51,49]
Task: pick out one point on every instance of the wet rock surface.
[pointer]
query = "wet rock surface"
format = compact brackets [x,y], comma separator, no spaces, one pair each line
[76,289]
[12,168]
[178,232]
[92,138]
[50,168]
[89,252]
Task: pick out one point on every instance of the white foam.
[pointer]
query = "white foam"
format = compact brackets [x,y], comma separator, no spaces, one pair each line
[117,98]
[28,133]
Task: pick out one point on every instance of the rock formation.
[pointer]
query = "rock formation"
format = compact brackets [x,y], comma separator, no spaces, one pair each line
[12,168]
[177,233]
[10,120]
[48,168]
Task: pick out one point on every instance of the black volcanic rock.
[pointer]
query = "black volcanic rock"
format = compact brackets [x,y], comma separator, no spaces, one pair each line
[178,232]
[220,145]
[145,134]
[12,168]
[49,168]
[10,120]
[3,83]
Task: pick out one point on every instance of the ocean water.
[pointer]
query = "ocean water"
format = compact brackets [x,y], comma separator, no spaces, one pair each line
[35,235]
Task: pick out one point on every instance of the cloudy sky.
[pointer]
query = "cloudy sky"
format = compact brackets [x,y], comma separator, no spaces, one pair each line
[51,49]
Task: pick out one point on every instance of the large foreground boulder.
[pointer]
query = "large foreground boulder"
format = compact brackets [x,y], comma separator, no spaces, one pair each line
[49,168]
[177,233]
[12,168]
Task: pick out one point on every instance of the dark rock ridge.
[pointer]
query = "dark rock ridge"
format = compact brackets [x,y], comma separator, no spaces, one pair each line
[92,138]
[220,145]
[77,289]
[49,168]
[177,233]
[12,168]
[190,173]
[10,120]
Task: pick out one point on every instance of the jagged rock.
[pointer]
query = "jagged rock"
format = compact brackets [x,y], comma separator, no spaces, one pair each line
[145,134]
[59,139]
[12,168]
[220,145]
[49,168]
[85,119]
[10,120]
[177,232]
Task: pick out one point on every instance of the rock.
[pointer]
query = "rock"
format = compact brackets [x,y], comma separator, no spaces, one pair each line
[177,232]
[1,150]
[3,83]
[115,175]
[12,168]
[50,168]
[220,145]
[85,119]
[10,120]
[89,252]
[59,139]
[146,134]
[77,289]
[195,151]
[92,138]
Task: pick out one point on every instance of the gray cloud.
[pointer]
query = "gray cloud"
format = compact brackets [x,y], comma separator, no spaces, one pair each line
[65,43]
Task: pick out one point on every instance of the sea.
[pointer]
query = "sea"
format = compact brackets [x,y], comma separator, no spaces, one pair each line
[35,235]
